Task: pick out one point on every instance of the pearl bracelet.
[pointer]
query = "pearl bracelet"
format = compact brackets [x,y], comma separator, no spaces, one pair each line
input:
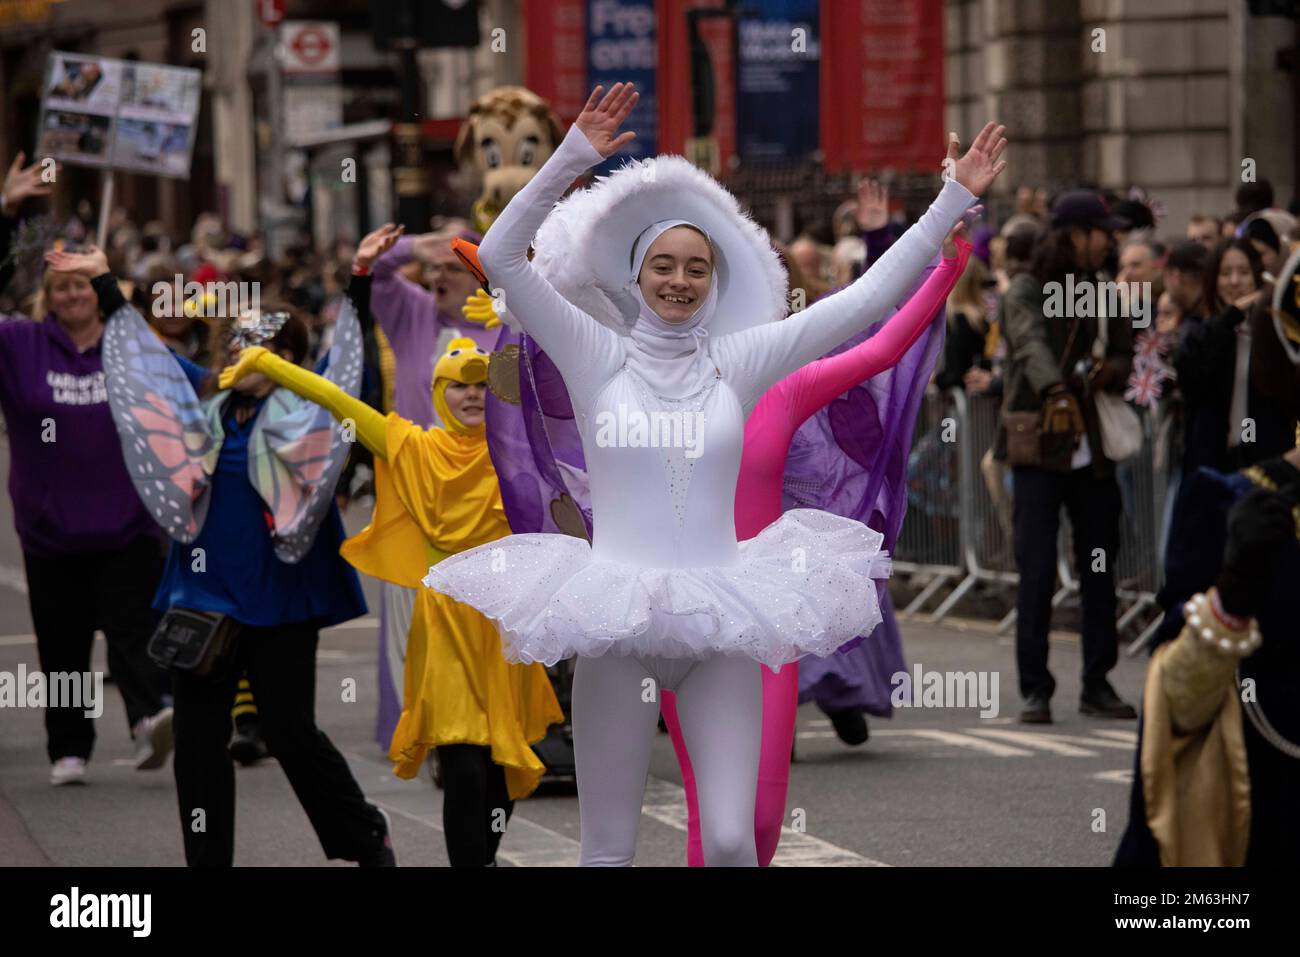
[1206,625]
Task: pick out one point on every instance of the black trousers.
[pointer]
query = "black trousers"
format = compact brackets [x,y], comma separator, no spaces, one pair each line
[73,595]
[1094,508]
[476,804]
[281,666]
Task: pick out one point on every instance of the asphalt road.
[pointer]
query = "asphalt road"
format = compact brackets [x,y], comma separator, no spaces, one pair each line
[933,786]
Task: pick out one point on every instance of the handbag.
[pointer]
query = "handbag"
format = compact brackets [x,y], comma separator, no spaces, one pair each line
[1024,434]
[192,641]
[1025,429]
[1120,427]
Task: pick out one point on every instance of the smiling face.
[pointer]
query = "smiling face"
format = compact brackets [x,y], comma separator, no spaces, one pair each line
[676,273]
[1236,279]
[465,400]
[72,299]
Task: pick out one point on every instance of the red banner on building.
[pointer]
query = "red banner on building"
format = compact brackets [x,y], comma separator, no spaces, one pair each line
[676,96]
[882,84]
[555,54]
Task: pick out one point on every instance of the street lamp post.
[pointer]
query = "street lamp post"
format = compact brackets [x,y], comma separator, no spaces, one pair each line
[409,173]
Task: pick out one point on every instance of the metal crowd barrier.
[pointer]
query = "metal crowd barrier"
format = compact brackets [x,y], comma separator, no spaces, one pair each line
[929,543]
[966,538]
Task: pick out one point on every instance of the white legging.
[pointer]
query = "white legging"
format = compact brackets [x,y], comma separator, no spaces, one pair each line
[615,713]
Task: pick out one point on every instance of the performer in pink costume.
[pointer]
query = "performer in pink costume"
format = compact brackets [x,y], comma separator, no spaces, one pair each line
[768,433]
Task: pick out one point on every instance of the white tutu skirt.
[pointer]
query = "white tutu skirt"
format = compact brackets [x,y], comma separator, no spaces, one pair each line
[804,585]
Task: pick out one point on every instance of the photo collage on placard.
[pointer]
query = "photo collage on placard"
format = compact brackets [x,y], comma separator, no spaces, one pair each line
[112,114]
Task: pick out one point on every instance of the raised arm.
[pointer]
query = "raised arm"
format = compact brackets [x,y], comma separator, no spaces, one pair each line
[873,219]
[755,359]
[817,383]
[18,185]
[400,300]
[370,423]
[585,351]
[365,270]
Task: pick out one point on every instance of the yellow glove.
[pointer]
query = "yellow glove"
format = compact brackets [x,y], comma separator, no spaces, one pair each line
[481,308]
[371,427]
[245,365]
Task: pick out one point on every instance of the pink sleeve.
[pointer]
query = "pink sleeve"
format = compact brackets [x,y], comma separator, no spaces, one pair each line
[817,383]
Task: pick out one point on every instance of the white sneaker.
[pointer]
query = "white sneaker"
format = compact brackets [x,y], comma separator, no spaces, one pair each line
[153,740]
[68,771]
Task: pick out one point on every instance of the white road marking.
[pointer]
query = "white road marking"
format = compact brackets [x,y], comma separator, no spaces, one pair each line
[1040,741]
[1093,742]
[11,576]
[666,803]
[935,734]
[6,640]
[525,844]
[355,624]
[1068,745]
[964,741]
[1124,776]
[529,844]
[1118,734]
[336,656]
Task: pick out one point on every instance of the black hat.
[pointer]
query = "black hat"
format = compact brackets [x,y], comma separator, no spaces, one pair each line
[1083,207]
[1136,213]
[1187,256]
[1259,228]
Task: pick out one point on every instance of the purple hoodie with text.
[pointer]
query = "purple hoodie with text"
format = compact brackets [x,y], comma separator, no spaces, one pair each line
[69,485]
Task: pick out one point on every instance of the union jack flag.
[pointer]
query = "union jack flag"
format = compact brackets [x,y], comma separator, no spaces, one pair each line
[1149,346]
[1145,384]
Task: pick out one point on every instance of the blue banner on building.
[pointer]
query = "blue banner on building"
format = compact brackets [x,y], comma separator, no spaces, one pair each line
[777,82]
[621,47]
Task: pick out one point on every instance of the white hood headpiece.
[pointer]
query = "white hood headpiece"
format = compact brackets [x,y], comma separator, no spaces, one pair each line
[584,248]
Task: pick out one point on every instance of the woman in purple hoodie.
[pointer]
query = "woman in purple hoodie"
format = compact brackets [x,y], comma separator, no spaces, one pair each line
[81,527]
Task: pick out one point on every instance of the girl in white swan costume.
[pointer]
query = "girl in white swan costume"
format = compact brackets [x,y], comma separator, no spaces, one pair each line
[663,597]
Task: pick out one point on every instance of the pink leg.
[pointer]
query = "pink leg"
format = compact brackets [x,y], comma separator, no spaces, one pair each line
[780,702]
[694,849]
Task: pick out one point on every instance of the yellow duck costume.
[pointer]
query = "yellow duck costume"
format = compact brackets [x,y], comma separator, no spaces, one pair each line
[436,494]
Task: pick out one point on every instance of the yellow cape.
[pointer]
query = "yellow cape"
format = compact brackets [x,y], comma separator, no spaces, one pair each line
[437,494]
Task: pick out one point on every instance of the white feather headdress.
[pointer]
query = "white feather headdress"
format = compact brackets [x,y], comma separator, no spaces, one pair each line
[584,248]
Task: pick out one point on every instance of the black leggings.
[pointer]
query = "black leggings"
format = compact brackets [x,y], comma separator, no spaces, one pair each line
[281,664]
[71,596]
[475,806]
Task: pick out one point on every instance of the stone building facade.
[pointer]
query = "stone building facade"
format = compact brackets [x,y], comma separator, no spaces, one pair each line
[1173,96]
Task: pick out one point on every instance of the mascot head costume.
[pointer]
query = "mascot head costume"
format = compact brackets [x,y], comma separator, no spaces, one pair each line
[509,134]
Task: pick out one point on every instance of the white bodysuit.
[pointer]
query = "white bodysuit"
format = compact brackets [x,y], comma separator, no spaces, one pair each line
[664,578]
